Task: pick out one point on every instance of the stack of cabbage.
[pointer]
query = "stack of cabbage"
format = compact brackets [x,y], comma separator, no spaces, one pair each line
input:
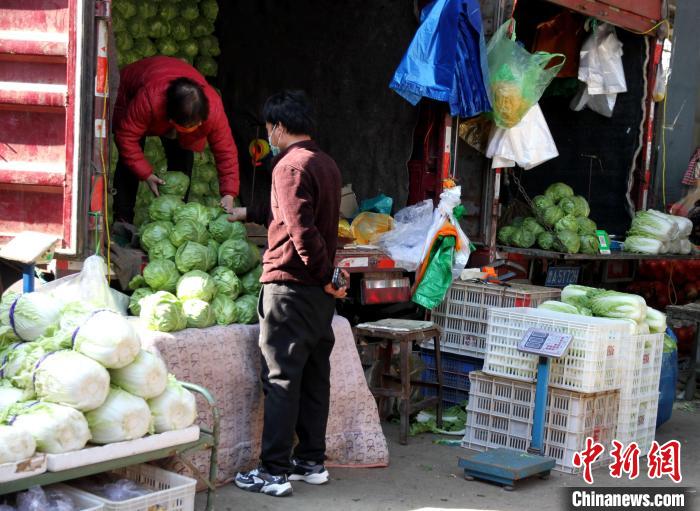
[144,28]
[653,232]
[560,223]
[73,374]
[202,269]
[203,189]
[590,301]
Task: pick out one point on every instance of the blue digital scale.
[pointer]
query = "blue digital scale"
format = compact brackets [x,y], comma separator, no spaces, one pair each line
[506,466]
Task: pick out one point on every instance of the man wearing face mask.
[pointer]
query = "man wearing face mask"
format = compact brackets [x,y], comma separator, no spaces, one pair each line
[168,98]
[297,301]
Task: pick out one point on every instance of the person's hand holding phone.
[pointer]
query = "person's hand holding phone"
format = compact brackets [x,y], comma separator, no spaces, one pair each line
[338,287]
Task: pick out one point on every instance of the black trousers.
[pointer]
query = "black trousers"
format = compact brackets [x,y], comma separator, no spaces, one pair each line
[296,340]
[126,184]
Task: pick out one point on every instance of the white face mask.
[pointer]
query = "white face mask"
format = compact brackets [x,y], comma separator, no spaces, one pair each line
[274,149]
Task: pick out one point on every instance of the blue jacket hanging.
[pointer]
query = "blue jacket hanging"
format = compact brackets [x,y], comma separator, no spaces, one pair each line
[446,60]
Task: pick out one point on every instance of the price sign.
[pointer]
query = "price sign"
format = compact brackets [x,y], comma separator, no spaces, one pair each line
[544,343]
[562,276]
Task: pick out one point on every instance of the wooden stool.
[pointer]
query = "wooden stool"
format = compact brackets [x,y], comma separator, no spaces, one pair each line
[405,332]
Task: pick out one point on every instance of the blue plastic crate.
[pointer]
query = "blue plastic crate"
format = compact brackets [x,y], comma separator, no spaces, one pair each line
[450,397]
[452,363]
[457,381]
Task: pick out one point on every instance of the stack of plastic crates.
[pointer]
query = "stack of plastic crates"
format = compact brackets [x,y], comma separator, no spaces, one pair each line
[639,392]
[463,313]
[455,376]
[584,394]
[501,410]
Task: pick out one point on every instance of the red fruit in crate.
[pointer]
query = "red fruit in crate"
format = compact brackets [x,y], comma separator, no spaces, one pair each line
[691,291]
[645,269]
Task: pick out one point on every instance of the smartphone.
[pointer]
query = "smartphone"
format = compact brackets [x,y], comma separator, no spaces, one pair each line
[339,280]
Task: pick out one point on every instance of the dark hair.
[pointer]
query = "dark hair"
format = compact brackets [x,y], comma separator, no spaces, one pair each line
[186,104]
[291,108]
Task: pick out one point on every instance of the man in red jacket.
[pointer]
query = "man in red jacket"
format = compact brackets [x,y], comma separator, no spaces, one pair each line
[168,98]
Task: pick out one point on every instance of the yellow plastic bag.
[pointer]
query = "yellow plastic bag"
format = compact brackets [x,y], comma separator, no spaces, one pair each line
[344,230]
[368,227]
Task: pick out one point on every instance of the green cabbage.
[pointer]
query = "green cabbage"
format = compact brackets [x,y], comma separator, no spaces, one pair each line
[192,256]
[199,188]
[188,230]
[206,65]
[35,315]
[531,225]
[236,255]
[247,309]
[552,215]
[255,255]
[206,172]
[579,296]
[161,275]
[124,41]
[136,282]
[154,232]
[567,223]
[154,150]
[163,207]
[138,29]
[196,284]
[517,221]
[556,306]
[251,281]
[180,29]
[569,241]
[163,312]
[210,9]
[649,225]
[214,213]
[201,27]
[214,187]
[145,47]
[162,250]
[159,27]
[586,226]
[656,321]
[558,191]
[545,240]
[168,10]
[589,244]
[523,238]
[189,49]
[176,183]
[209,45]
[136,297]
[199,313]
[505,234]
[118,25]
[211,202]
[193,211]
[238,231]
[189,12]
[611,304]
[543,202]
[227,283]
[225,309]
[125,8]
[582,206]
[167,46]
[212,254]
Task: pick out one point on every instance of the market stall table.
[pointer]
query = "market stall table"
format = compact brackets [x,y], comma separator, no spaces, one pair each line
[226,359]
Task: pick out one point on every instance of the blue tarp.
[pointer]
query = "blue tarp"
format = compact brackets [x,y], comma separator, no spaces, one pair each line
[446,60]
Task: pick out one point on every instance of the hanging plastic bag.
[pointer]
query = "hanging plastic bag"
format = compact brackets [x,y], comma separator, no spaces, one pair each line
[437,278]
[367,227]
[379,204]
[518,77]
[527,144]
[601,72]
[404,243]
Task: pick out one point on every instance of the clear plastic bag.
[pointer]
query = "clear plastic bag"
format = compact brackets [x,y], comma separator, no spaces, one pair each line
[90,286]
[405,242]
[110,487]
[36,499]
[527,144]
[518,77]
[368,227]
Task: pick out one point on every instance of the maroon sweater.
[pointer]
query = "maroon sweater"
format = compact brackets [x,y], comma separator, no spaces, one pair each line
[302,217]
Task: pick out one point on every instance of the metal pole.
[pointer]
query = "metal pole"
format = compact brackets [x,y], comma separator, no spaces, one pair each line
[537,444]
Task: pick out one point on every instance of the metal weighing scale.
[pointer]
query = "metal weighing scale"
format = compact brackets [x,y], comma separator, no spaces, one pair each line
[506,466]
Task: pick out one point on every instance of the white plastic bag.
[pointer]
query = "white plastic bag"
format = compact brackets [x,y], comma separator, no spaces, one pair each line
[404,243]
[601,71]
[450,198]
[527,144]
[90,286]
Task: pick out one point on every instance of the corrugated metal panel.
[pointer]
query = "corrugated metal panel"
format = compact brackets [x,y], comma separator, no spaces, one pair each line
[39,52]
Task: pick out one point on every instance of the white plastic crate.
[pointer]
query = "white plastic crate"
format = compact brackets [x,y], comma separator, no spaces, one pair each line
[171,492]
[590,365]
[637,421]
[462,315]
[500,414]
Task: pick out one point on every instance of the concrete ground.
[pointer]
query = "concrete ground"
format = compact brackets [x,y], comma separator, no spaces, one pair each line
[423,476]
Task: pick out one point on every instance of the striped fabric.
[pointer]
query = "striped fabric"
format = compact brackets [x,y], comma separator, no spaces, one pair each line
[692,174]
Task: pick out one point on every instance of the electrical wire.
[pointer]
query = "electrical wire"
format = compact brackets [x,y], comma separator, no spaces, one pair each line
[662,22]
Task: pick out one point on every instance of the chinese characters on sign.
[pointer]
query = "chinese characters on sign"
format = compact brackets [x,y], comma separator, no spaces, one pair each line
[662,460]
